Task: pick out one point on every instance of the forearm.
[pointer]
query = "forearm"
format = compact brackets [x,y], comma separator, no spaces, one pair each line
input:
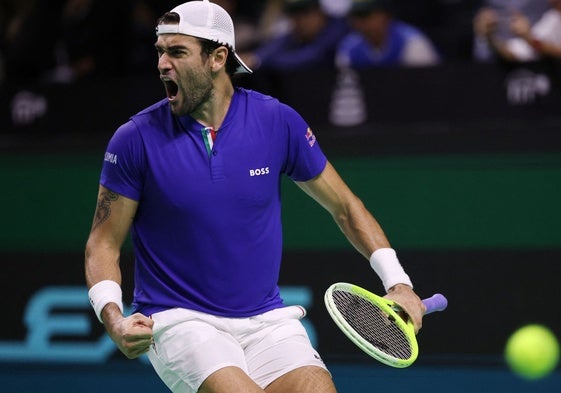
[112,220]
[132,334]
[499,47]
[101,263]
[361,228]
[103,278]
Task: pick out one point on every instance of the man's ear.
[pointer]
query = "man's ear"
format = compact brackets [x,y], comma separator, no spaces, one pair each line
[219,57]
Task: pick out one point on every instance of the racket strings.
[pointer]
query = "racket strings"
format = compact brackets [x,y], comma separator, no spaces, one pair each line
[372,324]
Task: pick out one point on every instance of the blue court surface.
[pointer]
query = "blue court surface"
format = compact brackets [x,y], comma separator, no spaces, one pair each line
[123,376]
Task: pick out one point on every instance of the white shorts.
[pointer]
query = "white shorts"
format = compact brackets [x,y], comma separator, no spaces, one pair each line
[189,346]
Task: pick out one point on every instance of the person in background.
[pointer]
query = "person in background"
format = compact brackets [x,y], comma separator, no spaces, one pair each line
[65,40]
[380,39]
[338,8]
[144,14]
[245,19]
[29,31]
[311,41]
[501,12]
[529,42]
[82,50]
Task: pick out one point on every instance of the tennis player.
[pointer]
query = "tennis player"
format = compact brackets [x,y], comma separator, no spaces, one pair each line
[195,179]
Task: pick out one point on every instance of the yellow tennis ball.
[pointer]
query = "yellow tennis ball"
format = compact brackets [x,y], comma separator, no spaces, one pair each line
[532,351]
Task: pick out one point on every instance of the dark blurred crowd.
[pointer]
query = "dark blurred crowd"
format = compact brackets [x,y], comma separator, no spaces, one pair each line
[60,41]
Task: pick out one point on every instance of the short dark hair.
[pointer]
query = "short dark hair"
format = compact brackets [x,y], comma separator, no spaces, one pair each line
[207,46]
[169,18]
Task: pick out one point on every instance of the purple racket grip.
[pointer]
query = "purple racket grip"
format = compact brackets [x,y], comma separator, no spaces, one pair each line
[436,302]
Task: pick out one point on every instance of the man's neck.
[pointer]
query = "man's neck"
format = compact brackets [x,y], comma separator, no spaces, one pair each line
[213,112]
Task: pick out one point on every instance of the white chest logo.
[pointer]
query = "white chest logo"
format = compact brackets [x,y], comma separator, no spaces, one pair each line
[259,171]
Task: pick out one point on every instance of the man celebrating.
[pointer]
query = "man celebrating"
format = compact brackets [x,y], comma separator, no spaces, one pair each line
[196,179]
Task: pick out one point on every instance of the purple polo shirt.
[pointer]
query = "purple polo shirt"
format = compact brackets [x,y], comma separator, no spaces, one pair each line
[207,234]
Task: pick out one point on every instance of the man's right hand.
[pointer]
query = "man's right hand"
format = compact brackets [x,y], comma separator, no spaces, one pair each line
[133,335]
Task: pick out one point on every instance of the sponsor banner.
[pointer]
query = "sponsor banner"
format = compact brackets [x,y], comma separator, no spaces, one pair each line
[47,316]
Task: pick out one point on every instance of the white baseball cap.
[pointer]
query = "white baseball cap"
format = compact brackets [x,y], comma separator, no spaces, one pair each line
[206,20]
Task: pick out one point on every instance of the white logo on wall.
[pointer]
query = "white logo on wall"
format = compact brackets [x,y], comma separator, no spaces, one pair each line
[348,105]
[27,107]
[524,86]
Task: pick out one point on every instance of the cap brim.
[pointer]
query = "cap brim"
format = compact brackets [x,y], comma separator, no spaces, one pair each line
[243,68]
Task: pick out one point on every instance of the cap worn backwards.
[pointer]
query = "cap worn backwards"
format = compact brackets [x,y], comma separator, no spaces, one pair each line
[203,19]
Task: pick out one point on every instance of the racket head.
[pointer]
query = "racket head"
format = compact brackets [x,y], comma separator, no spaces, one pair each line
[372,323]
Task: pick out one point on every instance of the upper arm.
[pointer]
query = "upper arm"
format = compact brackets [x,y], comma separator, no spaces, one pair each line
[329,190]
[113,217]
[112,220]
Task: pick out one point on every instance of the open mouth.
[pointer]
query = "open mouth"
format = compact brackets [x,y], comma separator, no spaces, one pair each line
[171,89]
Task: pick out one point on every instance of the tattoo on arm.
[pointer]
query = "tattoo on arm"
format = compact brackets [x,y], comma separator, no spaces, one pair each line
[103,210]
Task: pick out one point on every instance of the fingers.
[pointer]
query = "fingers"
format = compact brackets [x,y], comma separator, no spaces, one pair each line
[417,319]
[135,348]
[134,335]
[142,320]
[408,313]
[133,345]
[418,311]
[410,303]
[414,314]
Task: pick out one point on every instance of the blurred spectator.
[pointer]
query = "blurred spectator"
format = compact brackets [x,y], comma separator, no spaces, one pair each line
[144,16]
[63,40]
[92,39]
[273,21]
[246,29]
[311,41]
[29,34]
[528,42]
[338,8]
[448,23]
[380,39]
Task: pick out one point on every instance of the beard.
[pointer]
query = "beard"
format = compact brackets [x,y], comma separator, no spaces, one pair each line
[195,89]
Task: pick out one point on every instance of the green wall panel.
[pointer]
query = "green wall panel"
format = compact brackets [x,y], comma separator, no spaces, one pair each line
[505,201]
[426,201]
[48,201]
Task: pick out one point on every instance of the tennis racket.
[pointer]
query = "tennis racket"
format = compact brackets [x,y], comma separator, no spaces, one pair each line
[374,324]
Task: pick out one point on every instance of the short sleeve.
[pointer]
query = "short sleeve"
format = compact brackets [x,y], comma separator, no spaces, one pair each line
[123,163]
[305,158]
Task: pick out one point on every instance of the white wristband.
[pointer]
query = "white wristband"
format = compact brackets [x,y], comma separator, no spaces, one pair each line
[104,292]
[386,265]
